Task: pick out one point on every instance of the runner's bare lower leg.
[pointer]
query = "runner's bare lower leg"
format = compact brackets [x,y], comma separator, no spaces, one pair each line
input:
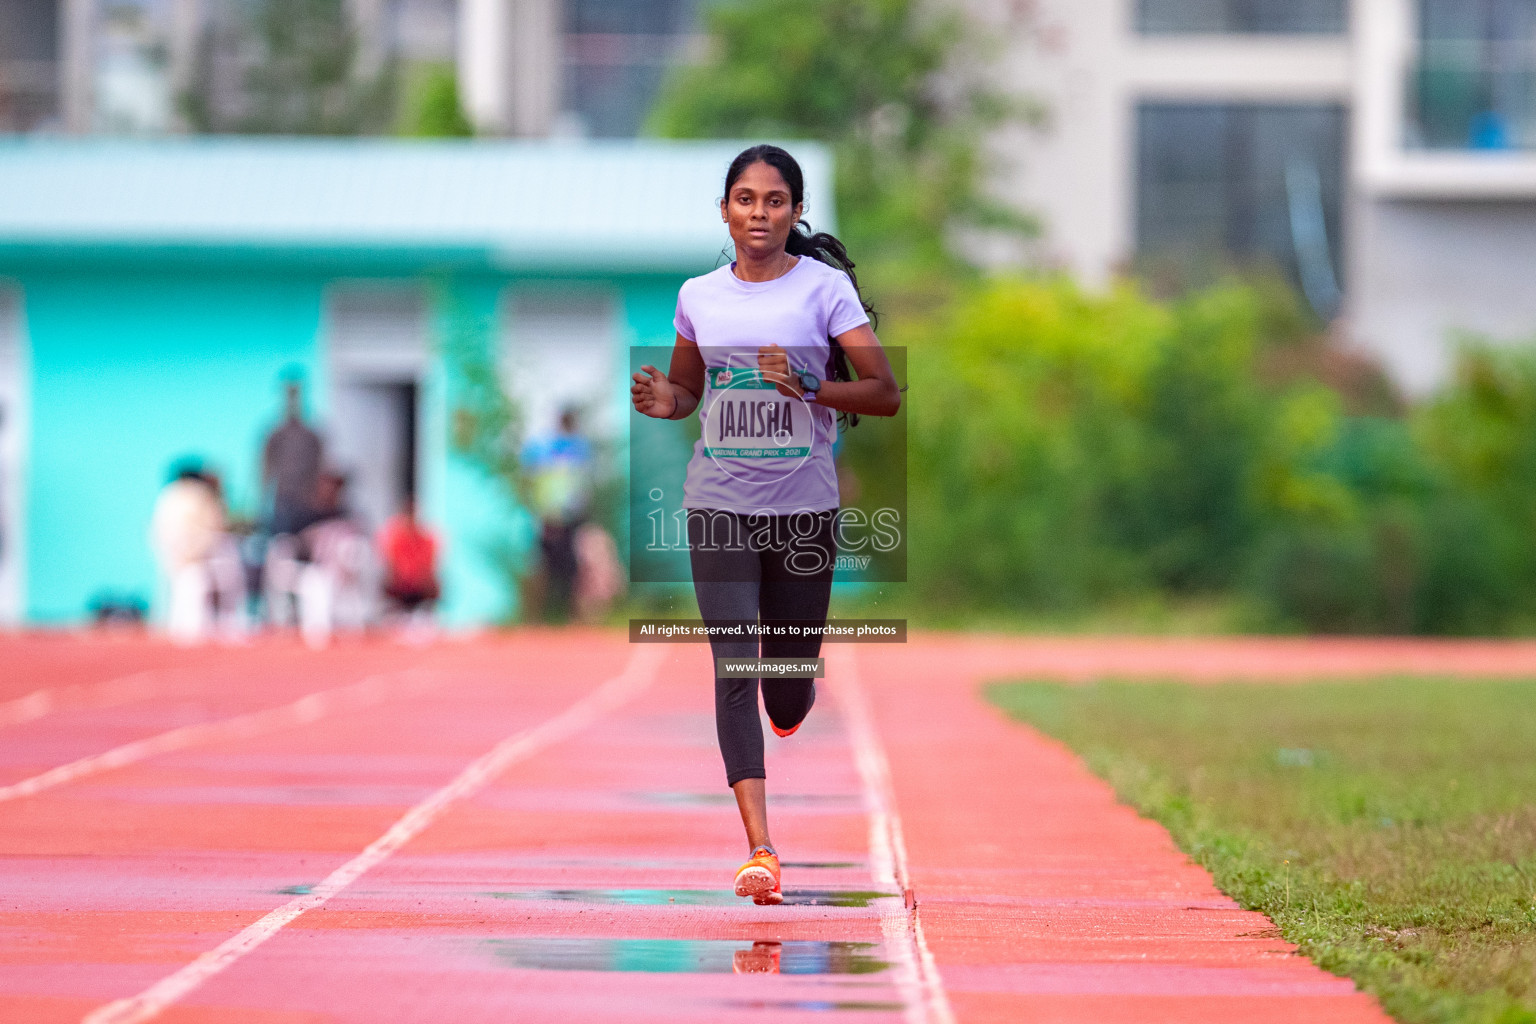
[752,801]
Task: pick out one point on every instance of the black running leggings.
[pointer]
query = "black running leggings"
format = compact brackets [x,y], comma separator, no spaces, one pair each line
[751,569]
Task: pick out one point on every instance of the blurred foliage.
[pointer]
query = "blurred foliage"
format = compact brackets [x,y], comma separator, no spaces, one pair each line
[429,104]
[300,75]
[891,86]
[488,431]
[1071,450]
[1068,448]
[485,424]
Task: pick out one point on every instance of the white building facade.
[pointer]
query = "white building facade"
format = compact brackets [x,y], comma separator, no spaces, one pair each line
[525,68]
[1380,153]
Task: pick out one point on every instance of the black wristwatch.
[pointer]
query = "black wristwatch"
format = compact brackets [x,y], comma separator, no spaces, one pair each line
[809,383]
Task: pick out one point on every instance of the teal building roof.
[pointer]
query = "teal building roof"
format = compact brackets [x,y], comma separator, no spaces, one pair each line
[625,205]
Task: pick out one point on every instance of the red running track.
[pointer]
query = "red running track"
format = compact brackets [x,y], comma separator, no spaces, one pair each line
[583,872]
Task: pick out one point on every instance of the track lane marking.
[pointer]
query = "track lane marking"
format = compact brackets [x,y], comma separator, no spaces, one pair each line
[610,695]
[42,702]
[917,972]
[310,708]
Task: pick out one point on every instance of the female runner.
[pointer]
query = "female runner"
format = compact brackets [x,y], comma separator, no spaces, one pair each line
[763,351]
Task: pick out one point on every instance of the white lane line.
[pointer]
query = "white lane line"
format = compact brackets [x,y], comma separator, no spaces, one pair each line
[613,693]
[307,709]
[106,694]
[917,974]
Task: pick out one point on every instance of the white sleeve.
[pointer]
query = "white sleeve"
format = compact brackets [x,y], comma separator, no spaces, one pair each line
[845,311]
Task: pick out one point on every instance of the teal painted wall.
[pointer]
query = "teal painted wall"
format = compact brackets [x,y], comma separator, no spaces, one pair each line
[131,371]
[134,369]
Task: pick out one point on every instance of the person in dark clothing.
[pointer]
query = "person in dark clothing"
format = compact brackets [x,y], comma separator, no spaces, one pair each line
[290,465]
[754,340]
[559,469]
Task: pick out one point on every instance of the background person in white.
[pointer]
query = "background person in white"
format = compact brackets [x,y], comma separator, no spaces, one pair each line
[760,523]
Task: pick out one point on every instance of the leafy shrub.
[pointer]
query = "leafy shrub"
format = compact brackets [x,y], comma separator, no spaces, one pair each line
[1069,449]
[1480,434]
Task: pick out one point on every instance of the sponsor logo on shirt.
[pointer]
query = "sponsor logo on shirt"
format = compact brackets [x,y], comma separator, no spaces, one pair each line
[742,421]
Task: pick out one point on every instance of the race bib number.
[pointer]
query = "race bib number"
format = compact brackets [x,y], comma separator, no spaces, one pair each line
[749,419]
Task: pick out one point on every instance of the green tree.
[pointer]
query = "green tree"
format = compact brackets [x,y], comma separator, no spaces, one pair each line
[430,106]
[1076,448]
[302,76]
[884,83]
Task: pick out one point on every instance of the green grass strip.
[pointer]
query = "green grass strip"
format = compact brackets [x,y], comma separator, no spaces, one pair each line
[1387,827]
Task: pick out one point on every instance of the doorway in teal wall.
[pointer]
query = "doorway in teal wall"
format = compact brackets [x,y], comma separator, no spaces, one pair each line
[377,347]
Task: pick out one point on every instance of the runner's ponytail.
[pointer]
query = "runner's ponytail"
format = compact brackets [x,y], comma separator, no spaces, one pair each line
[825,248]
[819,246]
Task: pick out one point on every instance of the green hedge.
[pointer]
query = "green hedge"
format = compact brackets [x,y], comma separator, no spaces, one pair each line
[1069,449]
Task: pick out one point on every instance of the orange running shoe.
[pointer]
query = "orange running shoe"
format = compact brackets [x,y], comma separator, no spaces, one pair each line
[759,878]
[762,958]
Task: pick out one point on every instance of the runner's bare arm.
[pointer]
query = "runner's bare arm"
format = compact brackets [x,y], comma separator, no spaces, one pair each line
[874,393]
[675,394]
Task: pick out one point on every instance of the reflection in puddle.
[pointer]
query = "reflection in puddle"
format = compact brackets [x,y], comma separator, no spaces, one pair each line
[798,897]
[821,864]
[688,956]
[811,1005]
[690,897]
[627,897]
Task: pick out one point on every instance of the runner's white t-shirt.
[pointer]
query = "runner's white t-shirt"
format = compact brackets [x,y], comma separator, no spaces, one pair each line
[763,452]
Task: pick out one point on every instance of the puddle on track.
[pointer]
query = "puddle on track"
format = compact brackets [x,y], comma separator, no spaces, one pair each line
[687,956]
[821,864]
[812,1005]
[690,897]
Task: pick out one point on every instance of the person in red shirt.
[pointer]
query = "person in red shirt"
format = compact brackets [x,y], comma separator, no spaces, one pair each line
[409,553]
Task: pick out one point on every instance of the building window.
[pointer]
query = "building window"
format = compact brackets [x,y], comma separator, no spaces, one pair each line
[377,329]
[1282,16]
[1247,185]
[616,54]
[1474,84]
[29,64]
[559,353]
[377,349]
[133,86]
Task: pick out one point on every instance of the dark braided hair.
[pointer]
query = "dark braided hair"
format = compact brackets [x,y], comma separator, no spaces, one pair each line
[819,245]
